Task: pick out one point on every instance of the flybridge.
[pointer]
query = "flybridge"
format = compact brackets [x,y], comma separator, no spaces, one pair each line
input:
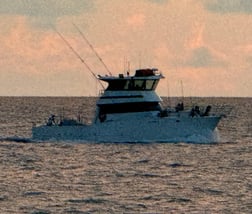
[144,72]
[143,80]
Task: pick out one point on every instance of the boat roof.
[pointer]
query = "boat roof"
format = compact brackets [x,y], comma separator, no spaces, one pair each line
[146,73]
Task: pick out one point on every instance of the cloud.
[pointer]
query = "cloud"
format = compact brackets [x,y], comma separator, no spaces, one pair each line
[200,54]
[44,12]
[204,57]
[158,1]
[136,20]
[181,38]
[229,6]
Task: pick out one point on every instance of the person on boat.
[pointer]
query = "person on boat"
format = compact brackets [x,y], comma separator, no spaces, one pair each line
[51,120]
[207,111]
[192,112]
[195,111]
[179,107]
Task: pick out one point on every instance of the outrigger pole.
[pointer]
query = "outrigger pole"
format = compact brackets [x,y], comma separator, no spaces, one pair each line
[80,58]
[92,48]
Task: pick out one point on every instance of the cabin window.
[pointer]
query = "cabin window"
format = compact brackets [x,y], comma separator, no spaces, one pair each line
[132,84]
[155,83]
[116,85]
[140,84]
[130,107]
[149,84]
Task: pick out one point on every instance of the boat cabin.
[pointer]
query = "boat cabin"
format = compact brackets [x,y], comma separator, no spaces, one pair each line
[130,93]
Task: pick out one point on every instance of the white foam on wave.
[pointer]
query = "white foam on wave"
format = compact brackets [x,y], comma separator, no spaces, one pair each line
[211,137]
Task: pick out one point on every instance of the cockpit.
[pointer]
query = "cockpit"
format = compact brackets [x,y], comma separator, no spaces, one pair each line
[144,79]
[132,84]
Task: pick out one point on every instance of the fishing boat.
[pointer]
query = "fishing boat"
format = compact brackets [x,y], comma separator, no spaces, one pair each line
[129,110]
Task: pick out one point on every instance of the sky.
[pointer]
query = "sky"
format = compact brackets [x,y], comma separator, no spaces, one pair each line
[202,46]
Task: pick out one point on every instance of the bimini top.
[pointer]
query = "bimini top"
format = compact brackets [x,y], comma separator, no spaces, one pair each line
[144,80]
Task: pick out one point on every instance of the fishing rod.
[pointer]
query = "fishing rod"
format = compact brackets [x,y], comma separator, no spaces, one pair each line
[92,48]
[78,55]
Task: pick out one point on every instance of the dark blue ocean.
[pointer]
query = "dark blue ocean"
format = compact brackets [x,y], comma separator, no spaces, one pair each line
[71,177]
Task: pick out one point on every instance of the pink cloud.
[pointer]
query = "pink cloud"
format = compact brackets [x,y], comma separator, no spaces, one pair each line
[136,20]
[180,38]
[35,50]
[196,40]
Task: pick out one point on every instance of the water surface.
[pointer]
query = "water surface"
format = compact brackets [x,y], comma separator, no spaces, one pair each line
[78,178]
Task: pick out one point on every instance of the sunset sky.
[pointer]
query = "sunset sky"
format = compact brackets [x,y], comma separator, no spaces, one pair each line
[205,44]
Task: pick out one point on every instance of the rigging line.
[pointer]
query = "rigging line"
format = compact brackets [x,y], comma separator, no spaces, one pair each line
[92,48]
[80,58]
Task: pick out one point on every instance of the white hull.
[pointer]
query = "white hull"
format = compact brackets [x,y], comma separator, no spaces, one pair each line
[135,127]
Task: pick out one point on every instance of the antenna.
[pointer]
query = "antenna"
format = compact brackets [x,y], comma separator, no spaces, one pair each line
[168,93]
[124,64]
[128,66]
[80,58]
[92,48]
[182,89]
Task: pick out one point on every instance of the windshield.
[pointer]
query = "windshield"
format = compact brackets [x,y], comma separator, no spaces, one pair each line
[132,84]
